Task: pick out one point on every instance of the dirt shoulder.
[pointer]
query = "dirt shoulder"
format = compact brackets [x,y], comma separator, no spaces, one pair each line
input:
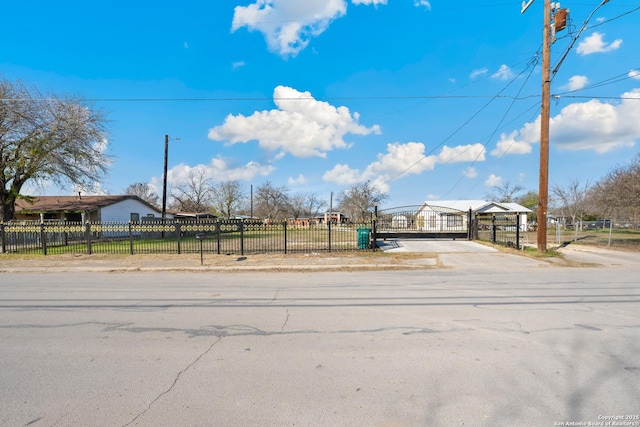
[228,262]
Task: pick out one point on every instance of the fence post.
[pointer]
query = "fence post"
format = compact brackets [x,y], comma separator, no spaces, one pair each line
[494,228]
[218,234]
[87,226]
[241,229]
[130,239]
[329,228]
[284,224]
[374,221]
[178,236]
[518,231]
[470,224]
[3,238]
[43,239]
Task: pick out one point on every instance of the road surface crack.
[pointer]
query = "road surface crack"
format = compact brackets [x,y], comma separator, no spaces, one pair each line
[175,381]
[285,321]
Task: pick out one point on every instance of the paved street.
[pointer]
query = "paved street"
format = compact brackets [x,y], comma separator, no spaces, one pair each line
[531,345]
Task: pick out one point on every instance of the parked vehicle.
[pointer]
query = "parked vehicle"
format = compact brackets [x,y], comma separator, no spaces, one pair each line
[599,224]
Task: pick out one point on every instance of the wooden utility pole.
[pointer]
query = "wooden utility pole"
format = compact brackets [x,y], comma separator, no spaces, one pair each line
[543,190]
[164,181]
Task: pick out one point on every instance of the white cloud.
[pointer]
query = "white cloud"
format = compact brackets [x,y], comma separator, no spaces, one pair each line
[634,74]
[493,180]
[406,158]
[508,144]
[576,83]
[470,172]
[186,45]
[238,64]
[503,73]
[591,125]
[300,180]
[422,3]
[369,2]
[218,169]
[288,25]
[477,73]
[301,126]
[595,44]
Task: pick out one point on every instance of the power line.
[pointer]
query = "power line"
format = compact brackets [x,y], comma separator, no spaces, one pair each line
[230,99]
[495,130]
[613,19]
[531,64]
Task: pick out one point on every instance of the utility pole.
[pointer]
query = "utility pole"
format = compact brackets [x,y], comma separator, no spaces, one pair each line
[543,190]
[548,37]
[164,180]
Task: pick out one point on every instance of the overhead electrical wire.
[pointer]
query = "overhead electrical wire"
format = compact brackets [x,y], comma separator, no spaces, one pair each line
[531,64]
[611,80]
[497,127]
[575,39]
[614,18]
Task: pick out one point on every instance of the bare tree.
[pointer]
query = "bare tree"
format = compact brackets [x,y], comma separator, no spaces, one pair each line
[357,202]
[572,201]
[307,205]
[271,202]
[617,195]
[505,192]
[145,191]
[60,139]
[195,194]
[228,197]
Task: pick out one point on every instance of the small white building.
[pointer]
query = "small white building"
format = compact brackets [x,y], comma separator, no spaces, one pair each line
[452,215]
[87,208]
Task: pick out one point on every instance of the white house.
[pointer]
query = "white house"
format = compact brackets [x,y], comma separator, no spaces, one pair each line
[452,215]
[87,208]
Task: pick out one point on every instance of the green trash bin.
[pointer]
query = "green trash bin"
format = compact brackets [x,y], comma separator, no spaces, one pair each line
[363,237]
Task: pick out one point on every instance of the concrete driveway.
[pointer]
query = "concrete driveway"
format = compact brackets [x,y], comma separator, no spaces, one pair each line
[433,245]
[462,253]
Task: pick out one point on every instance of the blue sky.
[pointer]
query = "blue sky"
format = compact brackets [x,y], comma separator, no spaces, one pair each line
[429,100]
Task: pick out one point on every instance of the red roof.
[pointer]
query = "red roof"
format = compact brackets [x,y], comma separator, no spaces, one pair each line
[69,203]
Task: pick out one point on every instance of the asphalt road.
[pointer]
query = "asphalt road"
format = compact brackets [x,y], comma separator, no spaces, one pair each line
[475,347]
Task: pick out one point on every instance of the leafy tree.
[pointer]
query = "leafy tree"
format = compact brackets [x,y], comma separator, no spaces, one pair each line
[60,139]
[530,201]
[271,202]
[228,197]
[195,194]
[357,202]
[145,191]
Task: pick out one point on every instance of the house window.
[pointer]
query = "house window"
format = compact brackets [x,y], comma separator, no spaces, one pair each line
[454,221]
[135,217]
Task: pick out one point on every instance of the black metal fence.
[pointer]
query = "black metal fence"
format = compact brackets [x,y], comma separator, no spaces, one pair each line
[222,237]
[504,229]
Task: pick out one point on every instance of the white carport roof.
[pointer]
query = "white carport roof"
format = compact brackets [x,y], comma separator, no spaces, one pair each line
[480,206]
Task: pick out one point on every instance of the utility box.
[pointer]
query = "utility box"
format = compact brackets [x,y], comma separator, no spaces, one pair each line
[364,235]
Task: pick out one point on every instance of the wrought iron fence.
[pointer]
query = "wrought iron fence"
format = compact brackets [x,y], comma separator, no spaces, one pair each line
[221,237]
[504,229]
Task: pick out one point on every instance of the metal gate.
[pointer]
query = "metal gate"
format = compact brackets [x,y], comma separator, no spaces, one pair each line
[425,221]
